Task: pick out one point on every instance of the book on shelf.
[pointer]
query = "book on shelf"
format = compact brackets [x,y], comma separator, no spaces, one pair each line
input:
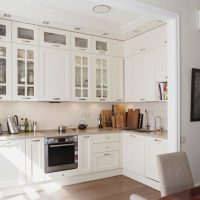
[163,90]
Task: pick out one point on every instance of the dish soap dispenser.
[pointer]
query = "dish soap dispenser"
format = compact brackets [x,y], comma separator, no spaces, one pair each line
[100,121]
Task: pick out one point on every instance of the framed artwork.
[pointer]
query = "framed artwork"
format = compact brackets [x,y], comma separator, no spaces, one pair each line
[195,96]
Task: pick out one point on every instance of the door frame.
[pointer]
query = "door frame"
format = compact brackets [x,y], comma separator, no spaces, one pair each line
[173,37]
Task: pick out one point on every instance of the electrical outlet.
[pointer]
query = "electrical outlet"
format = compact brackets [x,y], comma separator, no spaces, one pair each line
[85,115]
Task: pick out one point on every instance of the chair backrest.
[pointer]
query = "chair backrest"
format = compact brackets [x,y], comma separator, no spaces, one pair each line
[174,172]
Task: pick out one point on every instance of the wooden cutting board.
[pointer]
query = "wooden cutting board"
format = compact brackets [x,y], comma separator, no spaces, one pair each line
[119,121]
[133,118]
[120,108]
[106,115]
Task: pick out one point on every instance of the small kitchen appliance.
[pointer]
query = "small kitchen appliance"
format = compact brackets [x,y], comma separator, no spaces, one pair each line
[13,124]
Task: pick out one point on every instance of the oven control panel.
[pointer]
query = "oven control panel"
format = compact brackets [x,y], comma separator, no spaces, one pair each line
[57,140]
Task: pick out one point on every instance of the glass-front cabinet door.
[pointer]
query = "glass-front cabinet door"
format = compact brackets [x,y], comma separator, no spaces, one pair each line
[81,73]
[55,38]
[81,42]
[5,30]
[101,45]
[5,71]
[102,78]
[25,72]
[25,33]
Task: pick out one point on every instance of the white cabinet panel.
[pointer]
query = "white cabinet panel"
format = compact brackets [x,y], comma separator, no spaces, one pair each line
[161,63]
[55,74]
[35,159]
[106,161]
[103,147]
[81,42]
[85,154]
[54,38]
[117,48]
[140,77]
[160,36]
[81,76]
[25,72]
[12,162]
[101,46]
[153,147]
[25,33]
[5,71]
[109,137]
[5,30]
[117,80]
[133,153]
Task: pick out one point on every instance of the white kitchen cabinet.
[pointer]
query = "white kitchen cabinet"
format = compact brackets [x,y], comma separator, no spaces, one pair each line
[12,162]
[81,42]
[106,161]
[117,80]
[54,38]
[25,33]
[54,74]
[133,151]
[117,48]
[160,36]
[101,78]
[140,73]
[25,71]
[101,46]
[5,71]
[161,63]
[153,147]
[35,159]
[81,76]
[85,154]
[5,30]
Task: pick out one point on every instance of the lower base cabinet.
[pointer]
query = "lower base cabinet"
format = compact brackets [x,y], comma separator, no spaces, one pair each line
[106,161]
[35,159]
[153,147]
[12,162]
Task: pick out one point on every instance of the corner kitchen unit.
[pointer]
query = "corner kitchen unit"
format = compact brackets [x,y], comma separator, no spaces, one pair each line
[81,69]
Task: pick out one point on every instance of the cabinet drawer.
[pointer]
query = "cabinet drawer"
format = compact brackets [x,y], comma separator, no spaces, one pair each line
[101,138]
[61,174]
[106,161]
[103,147]
[156,140]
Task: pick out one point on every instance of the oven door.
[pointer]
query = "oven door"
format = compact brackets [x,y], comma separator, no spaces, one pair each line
[60,157]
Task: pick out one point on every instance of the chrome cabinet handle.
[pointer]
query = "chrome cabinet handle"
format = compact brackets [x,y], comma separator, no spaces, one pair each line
[35,140]
[102,99]
[133,135]
[103,52]
[60,145]
[119,99]
[55,98]
[142,49]
[56,45]
[86,136]
[26,98]
[82,99]
[142,99]
[82,49]
[106,154]
[27,41]
[157,140]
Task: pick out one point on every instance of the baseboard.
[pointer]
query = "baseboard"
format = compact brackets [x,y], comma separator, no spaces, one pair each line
[142,179]
[56,184]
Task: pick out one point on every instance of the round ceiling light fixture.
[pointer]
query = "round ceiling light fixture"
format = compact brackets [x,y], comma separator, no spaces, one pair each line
[101,9]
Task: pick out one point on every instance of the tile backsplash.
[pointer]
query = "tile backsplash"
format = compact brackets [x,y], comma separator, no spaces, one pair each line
[49,115]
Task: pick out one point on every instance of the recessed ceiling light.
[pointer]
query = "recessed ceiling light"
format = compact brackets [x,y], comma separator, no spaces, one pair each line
[7,15]
[45,22]
[101,9]
[105,34]
[77,28]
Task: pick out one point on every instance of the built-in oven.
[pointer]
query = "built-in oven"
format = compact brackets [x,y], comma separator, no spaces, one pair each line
[61,153]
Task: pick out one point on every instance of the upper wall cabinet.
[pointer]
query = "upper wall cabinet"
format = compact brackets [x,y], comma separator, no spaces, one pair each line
[81,42]
[54,38]
[160,36]
[25,72]
[101,81]
[54,74]
[5,30]
[5,71]
[24,33]
[117,48]
[101,46]
[81,76]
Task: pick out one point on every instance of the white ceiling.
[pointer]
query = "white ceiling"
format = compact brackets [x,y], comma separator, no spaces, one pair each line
[68,14]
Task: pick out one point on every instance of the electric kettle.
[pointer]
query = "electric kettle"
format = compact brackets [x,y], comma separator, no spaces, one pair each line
[13,124]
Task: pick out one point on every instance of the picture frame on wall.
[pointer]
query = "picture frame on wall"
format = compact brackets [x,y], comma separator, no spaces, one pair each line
[195,95]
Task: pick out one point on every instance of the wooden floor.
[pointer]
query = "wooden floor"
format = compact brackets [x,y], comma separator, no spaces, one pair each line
[115,188]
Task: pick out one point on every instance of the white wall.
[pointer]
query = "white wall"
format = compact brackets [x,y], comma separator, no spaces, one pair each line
[190,57]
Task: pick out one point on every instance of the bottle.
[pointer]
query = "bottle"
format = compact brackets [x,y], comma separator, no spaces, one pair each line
[100,121]
[26,125]
[34,127]
[30,126]
[22,125]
